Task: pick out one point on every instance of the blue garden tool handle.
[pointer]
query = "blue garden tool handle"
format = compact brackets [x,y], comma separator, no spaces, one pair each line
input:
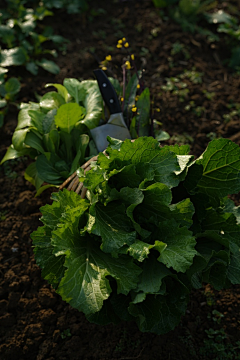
[108,92]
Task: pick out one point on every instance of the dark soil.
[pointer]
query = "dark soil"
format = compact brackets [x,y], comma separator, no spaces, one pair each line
[34,322]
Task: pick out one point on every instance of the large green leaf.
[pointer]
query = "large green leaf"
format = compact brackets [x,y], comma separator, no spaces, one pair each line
[34,141]
[221,169]
[75,89]
[176,245]
[46,169]
[222,228]
[85,283]
[61,90]
[12,153]
[36,119]
[24,119]
[157,198]
[18,139]
[152,276]
[113,225]
[92,103]
[158,313]
[51,100]
[48,121]
[52,266]
[68,115]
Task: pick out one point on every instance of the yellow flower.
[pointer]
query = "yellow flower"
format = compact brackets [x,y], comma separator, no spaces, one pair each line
[136,98]
[119,46]
[122,99]
[138,86]
[108,58]
[134,108]
[120,41]
[132,57]
[123,39]
[157,109]
[126,45]
[128,65]
[104,68]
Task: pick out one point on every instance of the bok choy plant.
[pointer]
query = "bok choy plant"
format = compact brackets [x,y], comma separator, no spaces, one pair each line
[55,131]
[154,225]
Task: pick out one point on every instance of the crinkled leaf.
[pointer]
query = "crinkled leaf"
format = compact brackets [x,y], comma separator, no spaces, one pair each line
[113,225]
[221,169]
[222,228]
[52,267]
[157,314]
[178,251]
[146,150]
[152,276]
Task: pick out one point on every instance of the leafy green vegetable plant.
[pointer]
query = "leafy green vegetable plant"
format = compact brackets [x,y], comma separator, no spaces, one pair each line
[230,26]
[19,33]
[55,131]
[8,93]
[154,224]
[189,14]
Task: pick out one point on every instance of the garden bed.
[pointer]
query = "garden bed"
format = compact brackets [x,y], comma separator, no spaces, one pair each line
[34,322]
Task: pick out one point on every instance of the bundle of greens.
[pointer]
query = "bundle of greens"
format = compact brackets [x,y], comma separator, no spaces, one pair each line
[55,131]
[154,224]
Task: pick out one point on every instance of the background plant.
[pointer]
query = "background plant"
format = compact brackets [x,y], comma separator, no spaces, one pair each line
[8,93]
[23,42]
[192,14]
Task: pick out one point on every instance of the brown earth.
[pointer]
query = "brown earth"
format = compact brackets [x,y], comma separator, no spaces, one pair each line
[34,322]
